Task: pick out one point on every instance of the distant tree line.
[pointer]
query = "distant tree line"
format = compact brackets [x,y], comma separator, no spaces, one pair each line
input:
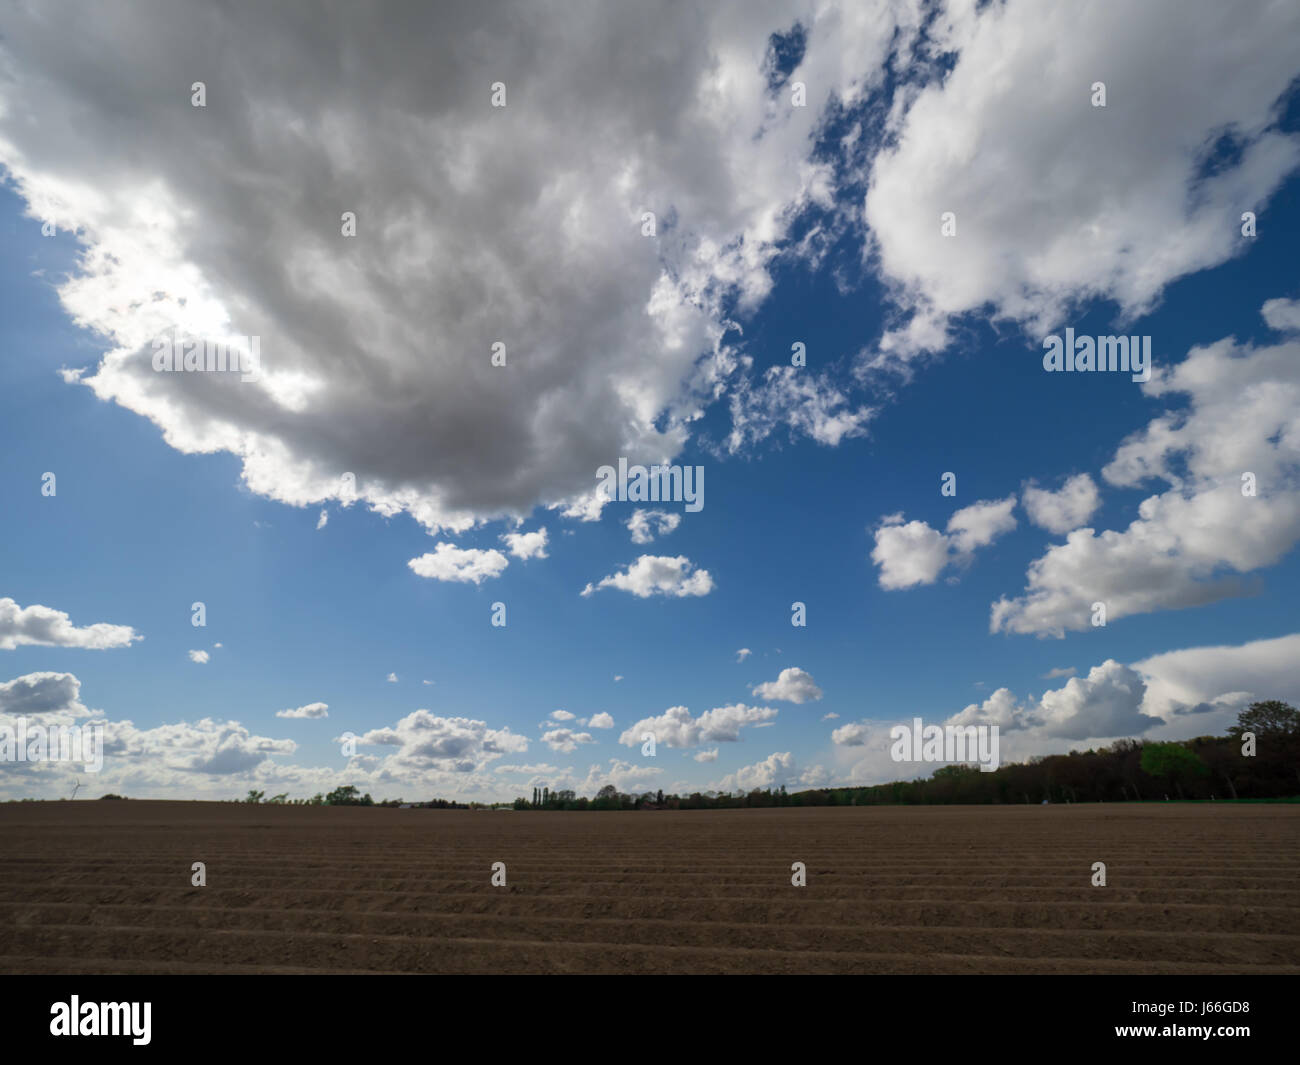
[1258,759]
[347,795]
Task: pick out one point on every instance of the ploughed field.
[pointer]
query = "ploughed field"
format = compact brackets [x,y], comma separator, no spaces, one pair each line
[105,887]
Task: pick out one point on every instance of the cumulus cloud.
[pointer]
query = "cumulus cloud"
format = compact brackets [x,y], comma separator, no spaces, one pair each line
[792,685]
[1175,695]
[912,553]
[676,728]
[645,525]
[168,752]
[43,626]
[1107,702]
[221,748]
[743,653]
[1124,231]
[980,524]
[627,777]
[1282,315]
[447,562]
[376,348]
[311,710]
[601,720]
[853,734]
[1178,694]
[1063,510]
[708,755]
[771,772]
[323,520]
[1236,413]
[527,545]
[658,575]
[48,698]
[563,739]
[1215,683]
[561,715]
[908,553]
[425,740]
[201,657]
[216,759]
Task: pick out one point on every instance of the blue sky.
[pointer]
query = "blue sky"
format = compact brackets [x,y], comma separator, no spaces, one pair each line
[809,471]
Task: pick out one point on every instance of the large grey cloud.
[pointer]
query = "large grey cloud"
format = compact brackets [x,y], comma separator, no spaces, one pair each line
[475,224]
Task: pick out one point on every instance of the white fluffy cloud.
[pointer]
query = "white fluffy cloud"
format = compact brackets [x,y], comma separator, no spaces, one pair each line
[450,563]
[743,653]
[676,728]
[1200,690]
[167,754]
[527,545]
[627,777]
[980,524]
[645,525]
[1174,695]
[792,685]
[658,575]
[425,740]
[1191,541]
[1176,79]
[201,657]
[908,553]
[44,626]
[601,720]
[1063,510]
[1282,315]
[771,772]
[854,734]
[912,553]
[1194,691]
[1107,702]
[563,739]
[423,754]
[311,710]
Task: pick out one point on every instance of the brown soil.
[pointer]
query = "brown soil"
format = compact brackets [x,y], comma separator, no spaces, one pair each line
[104,887]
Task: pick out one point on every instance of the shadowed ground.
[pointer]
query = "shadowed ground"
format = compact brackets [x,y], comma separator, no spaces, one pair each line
[104,887]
